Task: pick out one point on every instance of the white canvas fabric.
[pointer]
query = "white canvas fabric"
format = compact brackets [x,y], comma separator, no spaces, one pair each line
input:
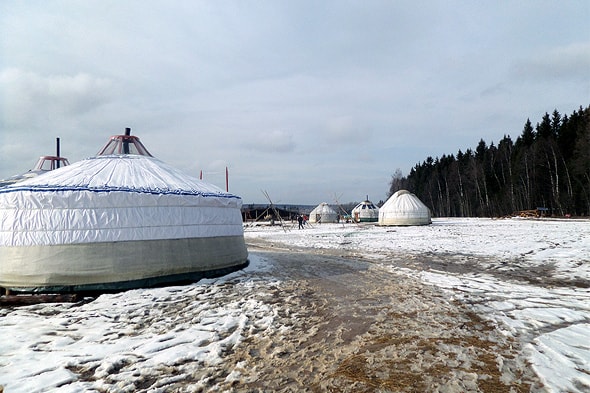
[404,208]
[115,198]
[323,213]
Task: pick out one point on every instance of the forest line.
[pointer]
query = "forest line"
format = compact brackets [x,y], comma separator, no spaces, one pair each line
[547,167]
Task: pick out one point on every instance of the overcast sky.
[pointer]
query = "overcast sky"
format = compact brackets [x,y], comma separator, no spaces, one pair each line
[310,101]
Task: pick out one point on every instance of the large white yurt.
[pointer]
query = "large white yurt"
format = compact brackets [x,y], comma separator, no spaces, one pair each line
[323,214]
[404,208]
[122,219]
[365,211]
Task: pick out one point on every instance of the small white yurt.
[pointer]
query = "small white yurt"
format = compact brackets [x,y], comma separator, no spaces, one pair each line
[323,214]
[365,211]
[404,208]
[122,219]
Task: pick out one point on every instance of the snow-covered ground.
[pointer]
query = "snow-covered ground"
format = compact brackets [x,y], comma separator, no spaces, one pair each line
[531,278]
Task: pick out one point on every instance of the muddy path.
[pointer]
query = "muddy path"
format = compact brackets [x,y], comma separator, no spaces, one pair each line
[344,324]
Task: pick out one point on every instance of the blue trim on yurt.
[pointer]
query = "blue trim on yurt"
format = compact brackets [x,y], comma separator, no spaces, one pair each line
[39,188]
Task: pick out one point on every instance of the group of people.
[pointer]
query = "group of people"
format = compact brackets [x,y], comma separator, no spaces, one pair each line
[301,220]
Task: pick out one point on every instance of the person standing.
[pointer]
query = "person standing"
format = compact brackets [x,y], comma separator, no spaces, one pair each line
[300,221]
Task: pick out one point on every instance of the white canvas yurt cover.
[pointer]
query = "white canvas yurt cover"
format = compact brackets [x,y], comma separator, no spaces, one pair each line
[365,211]
[119,220]
[404,208]
[323,213]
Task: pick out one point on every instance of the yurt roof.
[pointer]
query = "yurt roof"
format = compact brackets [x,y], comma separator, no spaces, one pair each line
[123,164]
[131,173]
[403,200]
[369,205]
[44,164]
[323,208]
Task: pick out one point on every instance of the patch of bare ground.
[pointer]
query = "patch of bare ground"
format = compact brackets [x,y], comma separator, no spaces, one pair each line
[458,363]
[346,325]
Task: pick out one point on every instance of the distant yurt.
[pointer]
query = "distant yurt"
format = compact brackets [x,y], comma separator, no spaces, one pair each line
[323,214]
[119,220]
[365,211]
[404,208]
[44,165]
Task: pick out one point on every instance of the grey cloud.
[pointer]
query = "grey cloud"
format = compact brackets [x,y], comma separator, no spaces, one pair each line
[276,141]
[570,62]
[28,95]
